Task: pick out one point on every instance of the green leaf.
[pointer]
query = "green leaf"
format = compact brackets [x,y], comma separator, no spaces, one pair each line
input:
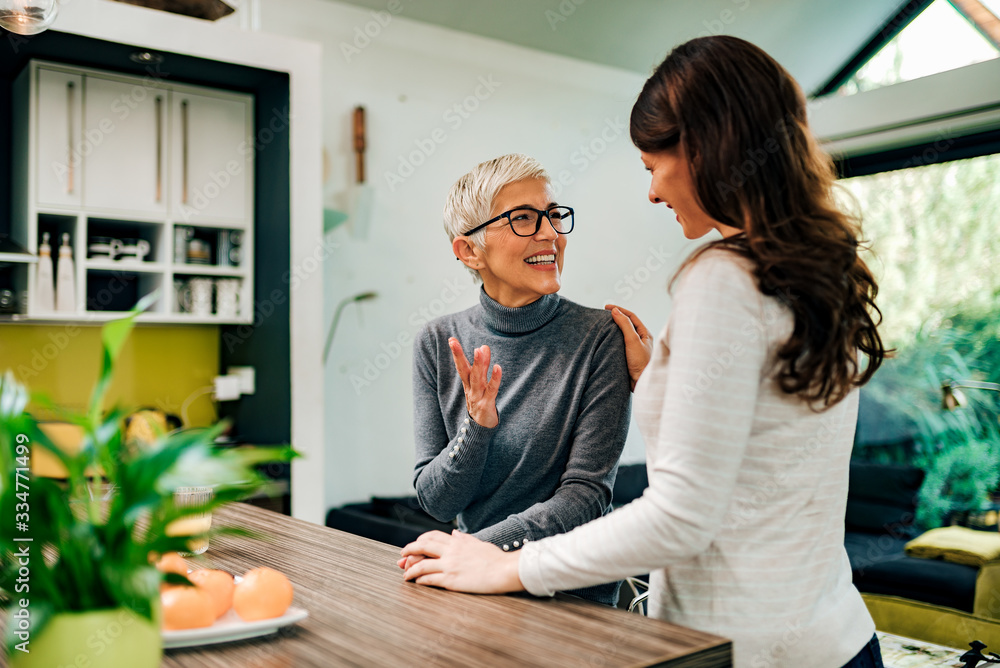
[113,337]
[177,579]
[13,396]
[101,546]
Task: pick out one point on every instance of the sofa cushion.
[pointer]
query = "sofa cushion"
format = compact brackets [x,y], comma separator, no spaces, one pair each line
[960,545]
[882,498]
[396,521]
[629,483]
[880,566]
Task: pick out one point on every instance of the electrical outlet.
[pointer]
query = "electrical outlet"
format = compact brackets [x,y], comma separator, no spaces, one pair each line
[227,388]
[247,376]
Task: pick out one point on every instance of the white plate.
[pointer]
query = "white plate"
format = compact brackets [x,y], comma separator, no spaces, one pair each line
[231,627]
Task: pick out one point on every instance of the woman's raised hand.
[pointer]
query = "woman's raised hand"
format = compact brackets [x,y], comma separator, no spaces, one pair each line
[480,394]
[460,562]
[638,340]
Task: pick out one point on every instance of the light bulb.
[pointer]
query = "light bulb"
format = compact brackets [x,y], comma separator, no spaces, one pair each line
[27,17]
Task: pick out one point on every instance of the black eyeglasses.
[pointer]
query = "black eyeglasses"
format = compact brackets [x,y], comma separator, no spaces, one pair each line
[525,221]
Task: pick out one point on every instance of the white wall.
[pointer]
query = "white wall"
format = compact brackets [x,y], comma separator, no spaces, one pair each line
[409,75]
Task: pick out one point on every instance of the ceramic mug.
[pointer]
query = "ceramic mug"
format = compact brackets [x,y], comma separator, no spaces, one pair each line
[198,251]
[133,250]
[196,296]
[104,248]
[227,297]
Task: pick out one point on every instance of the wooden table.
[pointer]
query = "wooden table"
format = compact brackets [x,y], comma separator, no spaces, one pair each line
[362,613]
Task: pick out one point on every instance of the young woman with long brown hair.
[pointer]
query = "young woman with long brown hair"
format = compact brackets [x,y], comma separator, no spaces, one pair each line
[749,401]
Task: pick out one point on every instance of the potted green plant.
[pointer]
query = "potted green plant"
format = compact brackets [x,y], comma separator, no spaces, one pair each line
[958,449]
[75,568]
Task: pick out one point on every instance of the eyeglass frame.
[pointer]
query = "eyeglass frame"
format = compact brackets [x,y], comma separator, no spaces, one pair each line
[538,224]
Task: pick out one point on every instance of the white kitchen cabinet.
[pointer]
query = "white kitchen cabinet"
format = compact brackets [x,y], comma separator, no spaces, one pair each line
[211,157]
[58,121]
[160,171]
[125,135]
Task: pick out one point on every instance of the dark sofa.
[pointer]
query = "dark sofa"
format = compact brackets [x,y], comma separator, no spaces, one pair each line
[399,520]
[881,503]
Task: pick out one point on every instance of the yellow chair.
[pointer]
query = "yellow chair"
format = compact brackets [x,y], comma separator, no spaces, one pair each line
[65,436]
[141,428]
[938,624]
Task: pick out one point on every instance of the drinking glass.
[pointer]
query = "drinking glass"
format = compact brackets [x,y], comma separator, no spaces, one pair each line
[196,525]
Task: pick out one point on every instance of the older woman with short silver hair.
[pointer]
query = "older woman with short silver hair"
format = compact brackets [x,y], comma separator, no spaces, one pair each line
[528,448]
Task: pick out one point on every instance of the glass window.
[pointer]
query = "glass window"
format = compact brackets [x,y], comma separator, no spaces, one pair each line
[935,234]
[935,250]
[940,39]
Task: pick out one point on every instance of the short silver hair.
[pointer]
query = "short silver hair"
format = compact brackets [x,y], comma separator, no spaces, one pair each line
[470,200]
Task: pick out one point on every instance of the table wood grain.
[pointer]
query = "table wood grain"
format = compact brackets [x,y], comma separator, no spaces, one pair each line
[362,613]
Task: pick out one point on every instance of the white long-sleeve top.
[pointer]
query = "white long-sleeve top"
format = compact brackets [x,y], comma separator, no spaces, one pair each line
[742,525]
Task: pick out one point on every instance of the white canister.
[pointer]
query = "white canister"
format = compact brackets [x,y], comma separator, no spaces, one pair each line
[227,297]
[196,297]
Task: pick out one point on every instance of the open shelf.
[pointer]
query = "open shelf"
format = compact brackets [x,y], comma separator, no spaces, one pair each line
[207,270]
[18,257]
[117,290]
[100,317]
[128,266]
[128,233]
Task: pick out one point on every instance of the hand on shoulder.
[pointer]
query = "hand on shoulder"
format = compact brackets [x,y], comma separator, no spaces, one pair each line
[638,340]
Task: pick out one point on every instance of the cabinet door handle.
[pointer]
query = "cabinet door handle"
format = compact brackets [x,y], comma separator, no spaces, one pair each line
[184,152]
[159,148]
[69,136]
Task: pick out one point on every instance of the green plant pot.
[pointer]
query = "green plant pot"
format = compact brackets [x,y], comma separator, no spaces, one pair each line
[107,638]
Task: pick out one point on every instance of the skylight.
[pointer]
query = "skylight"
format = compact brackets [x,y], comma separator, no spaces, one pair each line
[939,39]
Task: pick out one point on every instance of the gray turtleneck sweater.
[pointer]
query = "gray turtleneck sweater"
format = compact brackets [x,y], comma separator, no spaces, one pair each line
[550,464]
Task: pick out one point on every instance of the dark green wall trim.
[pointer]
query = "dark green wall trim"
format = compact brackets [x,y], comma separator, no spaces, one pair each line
[266,416]
[928,153]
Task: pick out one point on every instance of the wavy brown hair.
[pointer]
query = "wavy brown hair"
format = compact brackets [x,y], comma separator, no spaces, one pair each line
[741,119]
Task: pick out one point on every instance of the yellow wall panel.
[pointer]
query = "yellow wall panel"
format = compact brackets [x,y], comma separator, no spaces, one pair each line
[169,367]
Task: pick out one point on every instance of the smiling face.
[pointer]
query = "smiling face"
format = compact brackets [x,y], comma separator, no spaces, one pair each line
[673,185]
[519,270]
